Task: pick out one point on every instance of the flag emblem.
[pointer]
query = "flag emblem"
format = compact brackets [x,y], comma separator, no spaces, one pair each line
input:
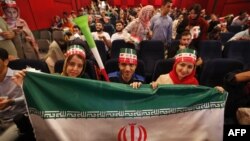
[132,132]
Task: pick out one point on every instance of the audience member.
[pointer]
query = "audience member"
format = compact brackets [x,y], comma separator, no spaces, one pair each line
[75,62]
[119,34]
[161,24]
[102,35]
[195,20]
[127,66]
[12,102]
[140,27]
[24,40]
[5,39]
[242,35]
[241,19]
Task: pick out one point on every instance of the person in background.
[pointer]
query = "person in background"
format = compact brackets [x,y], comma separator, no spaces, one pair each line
[241,19]
[242,35]
[140,27]
[77,33]
[56,23]
[194,21]
[24,40]
[12,103]
[5,40]
[127,66]
[102,35]
[184,42]
[119,34]
[161,24]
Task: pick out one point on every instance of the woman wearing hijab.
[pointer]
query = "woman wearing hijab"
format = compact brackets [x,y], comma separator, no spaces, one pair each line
[24,40]
[140,27]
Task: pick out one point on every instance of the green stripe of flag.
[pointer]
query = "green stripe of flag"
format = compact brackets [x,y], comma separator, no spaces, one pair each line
[45,92]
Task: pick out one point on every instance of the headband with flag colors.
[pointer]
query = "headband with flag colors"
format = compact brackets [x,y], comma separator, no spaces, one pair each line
[128,55]
[75,49]
[187,55]
[8,3]
[82,22]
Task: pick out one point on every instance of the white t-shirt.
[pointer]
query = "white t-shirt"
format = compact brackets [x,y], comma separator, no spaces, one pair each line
[96,37]
[120,36]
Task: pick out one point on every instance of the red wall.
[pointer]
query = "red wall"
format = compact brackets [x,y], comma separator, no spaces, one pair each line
[39,13]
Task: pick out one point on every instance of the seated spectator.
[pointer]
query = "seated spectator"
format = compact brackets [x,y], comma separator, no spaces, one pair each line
[183,71]
[55,53]
[243,35]
[214,34]
[75,62]
[12,103]
[127,66]
[101,35]
[185,41]
[243,113]
[56,23]
[241,19]
[119,34]
[77,33]
[213,23]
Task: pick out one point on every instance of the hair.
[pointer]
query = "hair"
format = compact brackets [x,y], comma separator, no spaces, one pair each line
[76,26]
[185,33]
[3,54]
[119,21]
[65,65]
[164,2]
[197,9]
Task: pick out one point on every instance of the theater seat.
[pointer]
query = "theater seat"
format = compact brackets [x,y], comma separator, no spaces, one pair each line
[20,64]
[162,67]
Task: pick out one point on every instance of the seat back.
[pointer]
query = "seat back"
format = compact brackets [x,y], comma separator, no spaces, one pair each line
[45,34]
[112,65]
[20,64]
[109,29]
[150,52]
[214,71]
[224,37]
[90,69]
[43,45]
[239,50]
[210,49]
[58,35]
[235,28]
[162,67]
[102,50]
[117,45]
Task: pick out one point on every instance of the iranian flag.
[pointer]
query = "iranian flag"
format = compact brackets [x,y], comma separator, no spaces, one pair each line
[76,109]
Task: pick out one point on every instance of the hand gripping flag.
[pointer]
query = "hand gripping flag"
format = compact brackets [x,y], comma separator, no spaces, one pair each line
[82,22]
